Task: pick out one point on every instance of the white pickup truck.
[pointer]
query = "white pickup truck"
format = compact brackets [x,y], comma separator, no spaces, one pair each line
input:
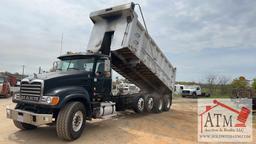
[193,90]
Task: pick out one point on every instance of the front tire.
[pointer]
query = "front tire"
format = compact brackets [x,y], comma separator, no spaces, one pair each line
[71,121]
[194,95]
[24,126]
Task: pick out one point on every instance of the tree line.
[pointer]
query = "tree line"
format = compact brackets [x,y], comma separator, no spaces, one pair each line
[223,85]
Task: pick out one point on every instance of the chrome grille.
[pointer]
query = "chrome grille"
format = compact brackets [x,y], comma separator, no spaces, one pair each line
[31,88]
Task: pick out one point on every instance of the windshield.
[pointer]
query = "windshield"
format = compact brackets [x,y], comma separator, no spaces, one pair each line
[1,80]
[76,64]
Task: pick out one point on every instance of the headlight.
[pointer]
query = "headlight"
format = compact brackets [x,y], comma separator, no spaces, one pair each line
[8,112]
[16,96]
[48,100]
[52,100]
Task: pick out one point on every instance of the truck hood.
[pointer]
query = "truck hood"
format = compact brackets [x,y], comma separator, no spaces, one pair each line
[53,75]
[55,80]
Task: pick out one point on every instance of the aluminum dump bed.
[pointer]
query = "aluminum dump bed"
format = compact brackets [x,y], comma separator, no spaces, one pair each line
[134,53]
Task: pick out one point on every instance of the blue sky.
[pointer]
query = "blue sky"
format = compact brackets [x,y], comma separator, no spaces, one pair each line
[198,37]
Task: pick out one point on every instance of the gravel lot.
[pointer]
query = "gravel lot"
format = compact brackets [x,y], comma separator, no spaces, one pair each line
[178,126]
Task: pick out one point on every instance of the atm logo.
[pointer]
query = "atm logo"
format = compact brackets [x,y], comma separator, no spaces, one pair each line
[224,120]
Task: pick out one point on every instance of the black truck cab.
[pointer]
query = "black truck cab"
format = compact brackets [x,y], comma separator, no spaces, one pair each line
[96,70]
[83,77]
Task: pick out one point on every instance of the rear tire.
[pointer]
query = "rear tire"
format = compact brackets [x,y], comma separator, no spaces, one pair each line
[167,103]
[158,105]
[139,105]
[24,126]
[149,104]
[71,121]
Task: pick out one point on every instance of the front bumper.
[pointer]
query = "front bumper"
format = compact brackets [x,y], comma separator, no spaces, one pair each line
[29,117]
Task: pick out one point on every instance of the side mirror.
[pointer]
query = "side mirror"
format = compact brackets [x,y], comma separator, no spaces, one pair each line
[55,65]
[107,65]
[107,72]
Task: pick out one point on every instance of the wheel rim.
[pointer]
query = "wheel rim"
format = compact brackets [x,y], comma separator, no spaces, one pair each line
[168,103]
[160,104]
[77,121]
[140,104]
[150,103]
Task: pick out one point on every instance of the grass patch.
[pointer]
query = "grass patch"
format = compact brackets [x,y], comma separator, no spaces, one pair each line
[219,96]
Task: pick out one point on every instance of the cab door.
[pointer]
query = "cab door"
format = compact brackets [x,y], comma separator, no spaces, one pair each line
[102,79]
[198,91]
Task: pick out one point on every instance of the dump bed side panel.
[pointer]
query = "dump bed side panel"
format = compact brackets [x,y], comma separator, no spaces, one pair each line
[134,53]
[144,47]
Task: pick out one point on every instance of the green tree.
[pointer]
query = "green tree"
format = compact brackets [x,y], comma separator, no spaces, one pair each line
[254,84]
[211,83]
[223,84]
[241,82]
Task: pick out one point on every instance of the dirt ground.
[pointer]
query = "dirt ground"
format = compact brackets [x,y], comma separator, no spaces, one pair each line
[178,126]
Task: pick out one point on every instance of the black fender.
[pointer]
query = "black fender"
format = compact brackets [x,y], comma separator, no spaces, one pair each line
[72,93]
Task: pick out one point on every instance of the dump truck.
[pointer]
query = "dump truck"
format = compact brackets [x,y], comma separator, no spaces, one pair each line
[245,93]
[8,85]
[80,88]
[4,86]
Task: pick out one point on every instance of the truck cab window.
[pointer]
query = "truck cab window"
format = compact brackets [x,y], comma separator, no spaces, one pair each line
[76,64]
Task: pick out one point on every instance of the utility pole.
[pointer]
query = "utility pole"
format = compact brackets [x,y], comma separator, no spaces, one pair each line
[23,69]
[61,43]
[40,69]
